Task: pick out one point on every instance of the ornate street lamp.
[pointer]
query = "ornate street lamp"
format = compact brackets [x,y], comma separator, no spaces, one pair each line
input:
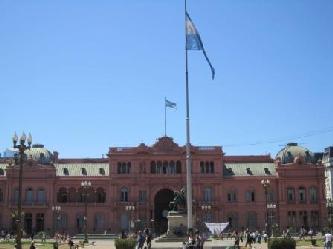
[130,209]
[86,185]
[56,211]
[21,148]
[266,183]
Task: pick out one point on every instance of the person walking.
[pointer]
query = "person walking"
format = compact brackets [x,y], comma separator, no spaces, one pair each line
[328,240]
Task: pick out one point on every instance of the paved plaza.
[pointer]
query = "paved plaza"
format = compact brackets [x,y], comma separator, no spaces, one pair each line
[213,244]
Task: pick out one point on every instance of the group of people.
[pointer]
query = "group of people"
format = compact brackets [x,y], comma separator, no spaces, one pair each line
[195,241]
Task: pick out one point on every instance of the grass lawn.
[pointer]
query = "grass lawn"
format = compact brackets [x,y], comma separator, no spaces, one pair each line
[307,242]
[26,245]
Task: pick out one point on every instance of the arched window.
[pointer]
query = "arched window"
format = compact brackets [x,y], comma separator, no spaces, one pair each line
[159,167]
[41,196]
[178,167]
[100,195]
[302,194]
[172,168]
[313,195]
[29,196]
[152,167]
[62,196]
[165,167]
[124,194]
[208,194]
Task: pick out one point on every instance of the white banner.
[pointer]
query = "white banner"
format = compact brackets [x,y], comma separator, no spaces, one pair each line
[216,228]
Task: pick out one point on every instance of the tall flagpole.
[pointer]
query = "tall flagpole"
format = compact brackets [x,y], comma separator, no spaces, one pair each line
[188,152]
[165,116]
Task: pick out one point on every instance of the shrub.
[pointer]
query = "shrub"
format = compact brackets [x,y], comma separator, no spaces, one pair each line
[125,243]
[313,242]
[282,243]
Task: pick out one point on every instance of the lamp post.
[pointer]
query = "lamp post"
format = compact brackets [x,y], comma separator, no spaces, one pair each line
[266,183]
[86,185]
[130,209]
[21,148]
[56,211]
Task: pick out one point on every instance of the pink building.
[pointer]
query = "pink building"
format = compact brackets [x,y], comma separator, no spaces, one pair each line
[134,186]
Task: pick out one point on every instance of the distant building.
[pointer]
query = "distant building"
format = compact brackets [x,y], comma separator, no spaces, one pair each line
[225,188]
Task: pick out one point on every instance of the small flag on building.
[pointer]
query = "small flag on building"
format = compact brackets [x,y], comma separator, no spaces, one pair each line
[170,104]
[193,41]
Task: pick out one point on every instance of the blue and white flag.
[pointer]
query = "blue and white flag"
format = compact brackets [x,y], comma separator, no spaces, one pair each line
[193,41]
[170,104]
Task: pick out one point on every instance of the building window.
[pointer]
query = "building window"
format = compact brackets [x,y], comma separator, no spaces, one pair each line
[152,167]
[41,197]
[290,195]
[101,171]
[159,167]
[100,195]
[124,195]
[231,196]
[2,172]
[207,167]
[302,194]
[142,196]
[29,195]
[165,167]
[172,167]
[65,171]
[62,196]
[84,171]
[124,168]
[208,194]
[250,196]
[178,167]
[1,195]
[314,219]
[291,218]
[313,195]
[16,195]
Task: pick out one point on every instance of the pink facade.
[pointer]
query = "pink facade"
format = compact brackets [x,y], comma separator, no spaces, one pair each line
[143,178]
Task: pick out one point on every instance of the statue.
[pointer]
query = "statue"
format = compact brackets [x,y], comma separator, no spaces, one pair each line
[179,201]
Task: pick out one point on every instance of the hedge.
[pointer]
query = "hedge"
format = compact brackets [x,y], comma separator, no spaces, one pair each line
[125,243]
[281,243]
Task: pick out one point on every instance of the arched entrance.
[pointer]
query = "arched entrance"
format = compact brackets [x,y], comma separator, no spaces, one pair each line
[161,204]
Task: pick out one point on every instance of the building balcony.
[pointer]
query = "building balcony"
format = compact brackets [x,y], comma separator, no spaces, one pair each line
[28,203]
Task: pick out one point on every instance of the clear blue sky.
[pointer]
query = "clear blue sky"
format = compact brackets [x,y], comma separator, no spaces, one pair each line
[85,75]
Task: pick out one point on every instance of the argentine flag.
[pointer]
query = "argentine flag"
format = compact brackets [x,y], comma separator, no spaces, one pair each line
[193,41]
